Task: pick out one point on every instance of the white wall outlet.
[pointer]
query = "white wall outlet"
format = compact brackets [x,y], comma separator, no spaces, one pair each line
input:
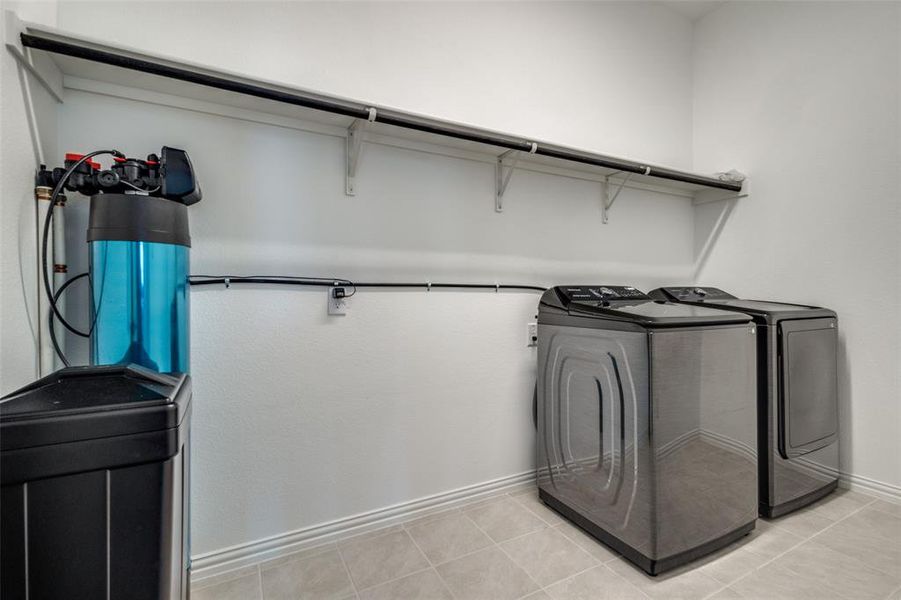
[532,330]
[337,302]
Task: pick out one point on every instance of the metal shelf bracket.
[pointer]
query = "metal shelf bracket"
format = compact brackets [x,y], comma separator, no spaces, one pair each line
[503,174]
[353,149]
[44,71]
[610,195]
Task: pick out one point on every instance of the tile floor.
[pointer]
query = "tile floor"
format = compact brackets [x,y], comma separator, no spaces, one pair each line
[848,546]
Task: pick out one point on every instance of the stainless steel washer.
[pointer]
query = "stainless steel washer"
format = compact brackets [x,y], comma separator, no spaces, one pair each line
[797,395]
[646,422]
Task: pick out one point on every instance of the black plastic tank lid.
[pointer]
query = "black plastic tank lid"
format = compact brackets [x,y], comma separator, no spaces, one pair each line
[137,218]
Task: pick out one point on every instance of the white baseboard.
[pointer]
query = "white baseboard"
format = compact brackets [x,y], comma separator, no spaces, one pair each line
[235,557]
[856,483]
[865,485]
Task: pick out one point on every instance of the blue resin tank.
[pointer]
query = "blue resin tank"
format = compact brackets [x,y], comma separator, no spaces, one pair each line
[139,253]
[141,303]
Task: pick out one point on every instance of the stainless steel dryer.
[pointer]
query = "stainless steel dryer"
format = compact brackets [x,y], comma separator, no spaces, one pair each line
[646,422]
[797,395]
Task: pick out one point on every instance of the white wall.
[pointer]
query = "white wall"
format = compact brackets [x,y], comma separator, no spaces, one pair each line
[18,272]
[805,96]
[608,76]
[300,418]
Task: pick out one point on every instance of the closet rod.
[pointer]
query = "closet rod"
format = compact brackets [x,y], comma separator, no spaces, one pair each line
[361,111]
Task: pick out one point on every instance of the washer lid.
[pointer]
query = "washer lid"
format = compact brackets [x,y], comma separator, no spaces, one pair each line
[659,314]
[764,310]
[626,303]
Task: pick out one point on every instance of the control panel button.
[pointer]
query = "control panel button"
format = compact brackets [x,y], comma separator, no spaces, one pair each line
[601,293]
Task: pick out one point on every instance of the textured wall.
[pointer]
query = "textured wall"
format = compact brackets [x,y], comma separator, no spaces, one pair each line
[18,272]
[806,95]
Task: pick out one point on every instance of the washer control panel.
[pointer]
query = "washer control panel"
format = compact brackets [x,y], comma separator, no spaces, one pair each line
[696,294]
[600,293]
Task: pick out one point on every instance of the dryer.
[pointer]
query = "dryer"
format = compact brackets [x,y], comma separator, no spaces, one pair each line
[646,422]
[797,395]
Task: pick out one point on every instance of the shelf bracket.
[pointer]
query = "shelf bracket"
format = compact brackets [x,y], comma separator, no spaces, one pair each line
[610,195]
[43,69]
[503,174]
[353,149]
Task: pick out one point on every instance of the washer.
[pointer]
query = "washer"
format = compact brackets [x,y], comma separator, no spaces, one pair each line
[797,395]
[646,422]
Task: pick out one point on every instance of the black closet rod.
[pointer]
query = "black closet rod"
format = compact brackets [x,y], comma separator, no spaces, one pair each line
[360,111]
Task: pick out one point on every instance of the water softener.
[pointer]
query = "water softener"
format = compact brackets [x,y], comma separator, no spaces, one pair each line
[139,257]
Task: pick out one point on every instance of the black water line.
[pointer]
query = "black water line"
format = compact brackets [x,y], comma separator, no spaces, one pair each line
[225,280]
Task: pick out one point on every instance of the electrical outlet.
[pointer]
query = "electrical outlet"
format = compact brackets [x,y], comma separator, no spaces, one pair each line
[533,334]
[337,302]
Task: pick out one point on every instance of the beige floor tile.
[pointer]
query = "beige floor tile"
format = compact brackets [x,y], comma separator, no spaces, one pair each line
[726,594]
[430,517]
[424,585]
[242,588]
[487,574]
[887,507]
[896,595]
[449,537]
[806,522]
[532,502]
[319,576]
[599,583]
[379,559]
[594,547]
[539,595]
[686,583]
[548,556]
[871,536]
[773,582]
[845,574]
[305,553]
[486,500]
[359,537]
[768,540]
[731,564]
[504,518]
[841,503]
[197,584]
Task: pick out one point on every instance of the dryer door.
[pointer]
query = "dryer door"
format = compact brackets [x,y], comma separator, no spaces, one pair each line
[808,400]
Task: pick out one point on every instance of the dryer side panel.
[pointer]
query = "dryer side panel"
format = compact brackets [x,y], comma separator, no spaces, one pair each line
[703,440]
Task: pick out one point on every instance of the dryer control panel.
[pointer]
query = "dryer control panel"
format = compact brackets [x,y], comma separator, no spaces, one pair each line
[696,294]
[600,293]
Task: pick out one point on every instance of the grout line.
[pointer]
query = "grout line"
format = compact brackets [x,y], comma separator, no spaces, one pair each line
[542,588]
[393,579]
[802,542]
[350,577]
[430,567]
[260,575]
[444,583]
[640,591]
[510,558]
[418,547]
[546,525]
[885,512]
